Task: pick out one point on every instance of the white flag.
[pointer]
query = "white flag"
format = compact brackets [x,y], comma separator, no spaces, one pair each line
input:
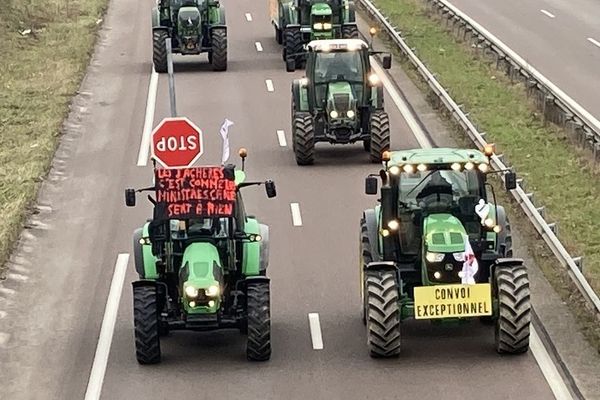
[225,135]
[470,265]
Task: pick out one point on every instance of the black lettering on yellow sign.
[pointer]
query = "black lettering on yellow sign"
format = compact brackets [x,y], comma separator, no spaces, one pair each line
[452,309]
[452,293]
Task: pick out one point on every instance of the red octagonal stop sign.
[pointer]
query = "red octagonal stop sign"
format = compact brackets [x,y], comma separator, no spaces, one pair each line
[176,142]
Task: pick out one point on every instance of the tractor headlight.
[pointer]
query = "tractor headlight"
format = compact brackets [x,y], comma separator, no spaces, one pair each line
[318,26]
[385,233]
[191,292]
[456,167]
[409,169]
[394,170]
[422,167]
[488,222]
[327,26]
[373,79]
[497,229]
[333,114]
[458,256]
[483,168]
[303,81]
[211,303]
[393,225]
[469,166]
[350,114]
[212,291]
[434,257]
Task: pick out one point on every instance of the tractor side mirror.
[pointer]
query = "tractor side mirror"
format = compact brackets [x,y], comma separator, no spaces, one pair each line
[229,172]
[510,181]
[371,185]
[387,61]
[290,64]
[270,189]
[130,197]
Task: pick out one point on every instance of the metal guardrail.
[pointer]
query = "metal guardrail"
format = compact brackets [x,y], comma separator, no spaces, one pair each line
[547,231]
[556,105]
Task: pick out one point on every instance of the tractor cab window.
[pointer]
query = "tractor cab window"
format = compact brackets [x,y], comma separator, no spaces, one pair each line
[341,66]
[437,188]
[208,227]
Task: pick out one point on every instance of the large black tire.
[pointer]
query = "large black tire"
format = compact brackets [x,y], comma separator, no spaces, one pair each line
[145,320]
[292,44]
[383,314]
[349,32]
[258,346]
[380,135]
[159,50]
[365,258]
[219,49]
[303,138]
[511,287]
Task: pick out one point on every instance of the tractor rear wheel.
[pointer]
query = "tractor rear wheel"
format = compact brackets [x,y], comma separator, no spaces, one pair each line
[366,257]
[159,50]
[349,32]
[219,49]
[303,138]
[145,320]
[380,135]
[511,287]
[258,347]
[383,314]
[292,44]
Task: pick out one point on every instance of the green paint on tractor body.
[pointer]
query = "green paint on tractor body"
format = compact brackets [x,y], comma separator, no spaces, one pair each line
[201,269]
[443,233]
[321,21]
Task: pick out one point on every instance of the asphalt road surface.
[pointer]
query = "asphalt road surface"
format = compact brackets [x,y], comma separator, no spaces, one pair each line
[52,315]
[561,39]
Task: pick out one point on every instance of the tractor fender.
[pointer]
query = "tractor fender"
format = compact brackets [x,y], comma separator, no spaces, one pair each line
[217,17]
[349,12]
[505,263]
[251,263]
[144,260]
[299,96]
[502,221]
[264,247]
[155,18]
[377,97]
[372,230]
[381,266]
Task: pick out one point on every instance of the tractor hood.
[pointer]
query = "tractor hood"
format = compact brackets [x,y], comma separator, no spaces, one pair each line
[202,271]
[320,9]
[188,26]
[341,104]
[443,233]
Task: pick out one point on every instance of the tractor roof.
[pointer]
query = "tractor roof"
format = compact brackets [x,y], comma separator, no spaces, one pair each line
[337,45]
[437,156]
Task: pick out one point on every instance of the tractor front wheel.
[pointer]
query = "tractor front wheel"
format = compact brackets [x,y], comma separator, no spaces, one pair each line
[303,138]
[383,314]
[349,32]
[147,329]
[219,49]
[258,347]
[159,50]
[511,287]
[380,135]
[292,44]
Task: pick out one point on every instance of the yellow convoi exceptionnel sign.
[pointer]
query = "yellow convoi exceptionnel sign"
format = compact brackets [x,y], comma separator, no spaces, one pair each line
[453,301]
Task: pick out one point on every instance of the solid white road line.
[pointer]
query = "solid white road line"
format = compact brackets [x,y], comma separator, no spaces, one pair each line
[555,381]
[594,41]
[414,126]
[281,138]
[149,120]
[258,46]
[248,17]
[94,387]
[315,331]
[296,216]
[270,87]
[548,368]
[549,14]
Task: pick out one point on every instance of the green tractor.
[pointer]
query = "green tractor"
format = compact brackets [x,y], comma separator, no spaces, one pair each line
[437,248]
[340,100]
[201,261]
[298,22]
[194,26]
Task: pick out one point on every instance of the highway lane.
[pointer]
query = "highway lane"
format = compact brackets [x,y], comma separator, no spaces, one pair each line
[552,36]
[69,266]
[313,266]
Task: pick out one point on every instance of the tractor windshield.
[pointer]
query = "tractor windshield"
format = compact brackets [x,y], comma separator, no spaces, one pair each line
[445,187]
[342,66]
[208,227]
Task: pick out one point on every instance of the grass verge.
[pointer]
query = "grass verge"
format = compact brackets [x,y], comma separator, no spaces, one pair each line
[45,47]
[560,175]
